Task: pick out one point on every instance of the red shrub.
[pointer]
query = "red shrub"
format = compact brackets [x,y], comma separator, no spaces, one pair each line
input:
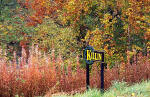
[43,74]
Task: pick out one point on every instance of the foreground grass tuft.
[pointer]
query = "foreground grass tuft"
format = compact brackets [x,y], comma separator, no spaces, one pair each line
[119,89]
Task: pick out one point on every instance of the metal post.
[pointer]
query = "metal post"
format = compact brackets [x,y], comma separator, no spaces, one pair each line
[102,77]
[102,73]
[87,77]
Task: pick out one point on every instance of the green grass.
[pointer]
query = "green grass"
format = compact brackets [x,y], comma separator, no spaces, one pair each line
[119,89]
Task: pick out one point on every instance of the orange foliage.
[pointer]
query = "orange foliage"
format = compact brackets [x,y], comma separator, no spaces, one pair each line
[41,75]
[39,9]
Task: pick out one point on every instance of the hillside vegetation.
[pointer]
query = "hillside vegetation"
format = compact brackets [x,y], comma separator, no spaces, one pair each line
[42,44]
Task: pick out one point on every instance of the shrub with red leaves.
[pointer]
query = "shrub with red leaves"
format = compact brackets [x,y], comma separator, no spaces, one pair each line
[46,74]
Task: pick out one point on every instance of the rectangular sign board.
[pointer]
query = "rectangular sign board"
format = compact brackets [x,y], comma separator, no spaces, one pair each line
[95,56]
[90,56]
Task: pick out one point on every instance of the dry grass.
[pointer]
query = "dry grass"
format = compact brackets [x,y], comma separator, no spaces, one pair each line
[45,74]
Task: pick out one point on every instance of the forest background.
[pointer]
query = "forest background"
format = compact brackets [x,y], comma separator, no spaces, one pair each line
[68,25]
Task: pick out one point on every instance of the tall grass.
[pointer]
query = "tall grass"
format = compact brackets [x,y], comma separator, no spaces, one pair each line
[118,89]
[46,74]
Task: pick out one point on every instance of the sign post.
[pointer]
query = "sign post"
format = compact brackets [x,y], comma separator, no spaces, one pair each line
[87,77]
[102,77]
[90,57]
[102,73]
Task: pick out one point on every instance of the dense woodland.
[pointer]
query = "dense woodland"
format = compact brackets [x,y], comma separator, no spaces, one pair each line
[64,27]
[68,25]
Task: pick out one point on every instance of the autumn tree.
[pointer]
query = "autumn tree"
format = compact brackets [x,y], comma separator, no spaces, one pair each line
[115,26]
[13,30]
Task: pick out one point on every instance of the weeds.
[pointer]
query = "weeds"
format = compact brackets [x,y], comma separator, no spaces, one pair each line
[45,74]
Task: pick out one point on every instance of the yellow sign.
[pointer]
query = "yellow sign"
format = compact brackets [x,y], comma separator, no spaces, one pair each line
[93,55]
[90,55]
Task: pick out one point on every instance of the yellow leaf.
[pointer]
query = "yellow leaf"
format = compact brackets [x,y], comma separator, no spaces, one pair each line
[136,47]
[133,94]
[148,30]
[1,26]
[131,54]
[5,32]
[9,27]
[46,17]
